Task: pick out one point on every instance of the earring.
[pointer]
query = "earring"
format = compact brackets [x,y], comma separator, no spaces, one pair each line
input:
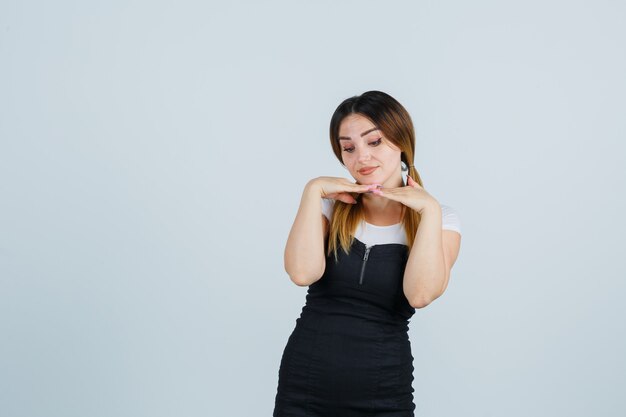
[406,167]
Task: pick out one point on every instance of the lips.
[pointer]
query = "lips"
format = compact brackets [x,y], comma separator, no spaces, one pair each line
[367,170]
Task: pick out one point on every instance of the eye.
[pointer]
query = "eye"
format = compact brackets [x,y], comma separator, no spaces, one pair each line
[377,142]
[348,149]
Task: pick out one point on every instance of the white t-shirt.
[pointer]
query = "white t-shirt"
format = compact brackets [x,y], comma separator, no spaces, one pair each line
[376,235]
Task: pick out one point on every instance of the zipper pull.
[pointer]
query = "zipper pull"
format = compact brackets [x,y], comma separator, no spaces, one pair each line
[367,254]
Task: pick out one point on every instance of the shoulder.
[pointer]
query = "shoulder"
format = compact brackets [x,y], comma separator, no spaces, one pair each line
[450,218]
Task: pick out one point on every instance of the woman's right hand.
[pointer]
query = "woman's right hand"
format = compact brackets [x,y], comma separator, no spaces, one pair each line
[340,188]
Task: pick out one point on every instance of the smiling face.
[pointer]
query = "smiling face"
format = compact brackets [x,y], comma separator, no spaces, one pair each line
[368,155]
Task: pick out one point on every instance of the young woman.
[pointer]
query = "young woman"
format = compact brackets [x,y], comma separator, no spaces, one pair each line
[371,252]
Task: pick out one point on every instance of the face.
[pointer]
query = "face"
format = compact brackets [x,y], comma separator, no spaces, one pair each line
[368,155]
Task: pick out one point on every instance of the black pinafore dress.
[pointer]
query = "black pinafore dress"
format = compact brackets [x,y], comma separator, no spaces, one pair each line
[349,353]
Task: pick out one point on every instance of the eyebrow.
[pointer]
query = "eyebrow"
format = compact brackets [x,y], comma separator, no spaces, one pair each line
[362,134]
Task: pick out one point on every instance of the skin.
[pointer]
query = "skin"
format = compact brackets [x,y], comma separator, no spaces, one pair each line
[384,198]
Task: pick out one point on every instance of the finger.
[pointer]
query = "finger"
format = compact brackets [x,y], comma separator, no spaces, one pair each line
[378,191]
[389,193]
[412,182]
[395,194]
[392,193]
[363,188]
[344,197]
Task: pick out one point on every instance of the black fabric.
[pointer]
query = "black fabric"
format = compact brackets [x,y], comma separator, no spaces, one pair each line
[349,353]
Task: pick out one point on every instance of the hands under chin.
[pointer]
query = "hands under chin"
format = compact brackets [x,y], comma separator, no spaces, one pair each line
[411,195]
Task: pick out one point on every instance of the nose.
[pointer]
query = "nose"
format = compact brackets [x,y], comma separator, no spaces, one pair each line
[363,154]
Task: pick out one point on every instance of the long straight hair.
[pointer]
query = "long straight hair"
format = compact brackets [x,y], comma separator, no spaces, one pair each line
[388,115]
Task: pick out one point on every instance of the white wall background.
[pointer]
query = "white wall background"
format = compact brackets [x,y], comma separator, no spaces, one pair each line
[152,159]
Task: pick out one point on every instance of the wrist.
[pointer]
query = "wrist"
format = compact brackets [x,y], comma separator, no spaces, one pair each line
[312,188]
[431,207]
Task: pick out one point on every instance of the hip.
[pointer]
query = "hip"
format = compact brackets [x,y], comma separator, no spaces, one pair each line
[330,361]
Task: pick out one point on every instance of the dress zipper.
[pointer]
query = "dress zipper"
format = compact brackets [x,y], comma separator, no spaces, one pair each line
[367,254]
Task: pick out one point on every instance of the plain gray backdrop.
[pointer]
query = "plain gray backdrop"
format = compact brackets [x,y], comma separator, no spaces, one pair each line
[152,160]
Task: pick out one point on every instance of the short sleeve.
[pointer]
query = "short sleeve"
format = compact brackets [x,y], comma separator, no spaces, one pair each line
[450,219]
[327,207]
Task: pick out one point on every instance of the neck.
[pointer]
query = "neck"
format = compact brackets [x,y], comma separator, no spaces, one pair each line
[374,206]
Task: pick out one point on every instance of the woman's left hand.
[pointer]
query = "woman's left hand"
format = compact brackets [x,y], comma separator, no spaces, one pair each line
[412,195]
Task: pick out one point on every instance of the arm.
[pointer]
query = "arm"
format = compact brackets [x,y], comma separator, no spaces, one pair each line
[433,253]
[305,261]
[434,250]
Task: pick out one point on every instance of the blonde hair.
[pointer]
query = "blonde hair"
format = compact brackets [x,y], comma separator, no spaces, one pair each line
[388,115]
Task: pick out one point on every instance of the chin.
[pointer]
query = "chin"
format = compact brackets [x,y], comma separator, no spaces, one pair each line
[368,181]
